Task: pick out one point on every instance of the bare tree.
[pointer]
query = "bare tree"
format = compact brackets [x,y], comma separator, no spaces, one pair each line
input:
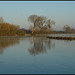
[40,22]
[67,28]
[49,23]
[32,19]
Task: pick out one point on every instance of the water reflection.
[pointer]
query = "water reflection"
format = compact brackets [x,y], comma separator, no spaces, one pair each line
[8,41]
[37,44]
[40,45]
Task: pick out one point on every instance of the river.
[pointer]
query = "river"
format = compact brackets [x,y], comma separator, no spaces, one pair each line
[36,55]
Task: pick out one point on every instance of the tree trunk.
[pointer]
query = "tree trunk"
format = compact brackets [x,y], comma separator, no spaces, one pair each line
[33,30]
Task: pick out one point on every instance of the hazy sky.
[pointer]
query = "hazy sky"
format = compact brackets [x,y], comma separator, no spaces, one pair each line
[17,12]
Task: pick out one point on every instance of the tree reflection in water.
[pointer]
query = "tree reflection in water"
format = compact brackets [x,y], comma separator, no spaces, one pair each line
[40,45]
[8,41]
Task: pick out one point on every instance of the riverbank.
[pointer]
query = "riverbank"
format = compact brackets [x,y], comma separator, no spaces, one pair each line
[45,35]
[55,35]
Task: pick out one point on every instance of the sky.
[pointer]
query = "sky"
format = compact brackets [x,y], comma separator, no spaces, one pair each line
[17,12]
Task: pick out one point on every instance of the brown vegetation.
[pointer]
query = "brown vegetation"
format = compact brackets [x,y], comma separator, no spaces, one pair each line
[7,29]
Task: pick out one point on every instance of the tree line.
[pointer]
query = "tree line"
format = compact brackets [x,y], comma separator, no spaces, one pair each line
[7,29]
[68,29]
[42,25]
[39,25]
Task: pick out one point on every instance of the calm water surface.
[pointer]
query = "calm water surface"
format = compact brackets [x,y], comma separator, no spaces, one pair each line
[24,55]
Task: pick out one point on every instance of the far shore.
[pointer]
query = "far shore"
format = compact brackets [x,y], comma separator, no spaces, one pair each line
[46,35]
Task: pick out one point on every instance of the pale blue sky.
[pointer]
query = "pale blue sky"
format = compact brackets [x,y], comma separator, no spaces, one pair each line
[17,12]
